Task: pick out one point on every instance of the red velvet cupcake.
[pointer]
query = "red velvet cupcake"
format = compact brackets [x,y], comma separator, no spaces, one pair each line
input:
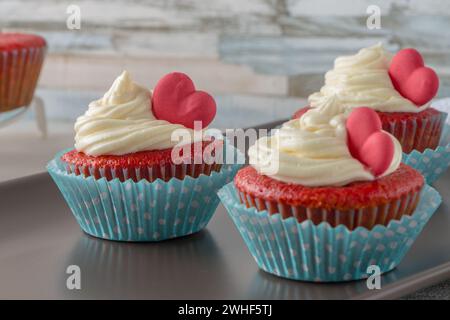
[399,89]
[322,175]
[21,59]
[143,168]
[414,131]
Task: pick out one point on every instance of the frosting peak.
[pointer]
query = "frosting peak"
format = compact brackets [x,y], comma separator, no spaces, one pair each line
[122,90]
[122,122]
[363,80]
[313,151]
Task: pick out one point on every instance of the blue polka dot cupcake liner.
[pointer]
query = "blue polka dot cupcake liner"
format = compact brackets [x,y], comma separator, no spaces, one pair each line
[431,163]
[321,253]
[143,210]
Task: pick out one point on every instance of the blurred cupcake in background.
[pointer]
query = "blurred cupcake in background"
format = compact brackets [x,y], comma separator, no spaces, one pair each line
[326,196]
[21,59]
[128,177]
[399,88]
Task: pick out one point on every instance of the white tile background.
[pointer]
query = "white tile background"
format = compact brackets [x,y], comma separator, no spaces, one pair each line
[254,47]
[259,58]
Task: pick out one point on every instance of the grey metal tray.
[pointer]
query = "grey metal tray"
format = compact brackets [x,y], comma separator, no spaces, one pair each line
[39,239]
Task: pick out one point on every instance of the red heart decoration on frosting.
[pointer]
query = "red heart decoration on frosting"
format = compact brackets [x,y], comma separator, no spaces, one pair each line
[411,78]
[175,100]
[367,142]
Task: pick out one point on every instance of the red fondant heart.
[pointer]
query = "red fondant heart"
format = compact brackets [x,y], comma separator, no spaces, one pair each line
[176,100]
[377,152]
[367,142]
[411,78]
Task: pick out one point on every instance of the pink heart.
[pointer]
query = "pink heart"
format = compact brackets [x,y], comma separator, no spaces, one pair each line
[367,142]
[411,78]
[176,100]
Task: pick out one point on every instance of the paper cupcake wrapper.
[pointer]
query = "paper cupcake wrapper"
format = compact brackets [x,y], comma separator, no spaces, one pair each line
[417,134]
[141,211]
[431,163]
[321,253]
[19,73]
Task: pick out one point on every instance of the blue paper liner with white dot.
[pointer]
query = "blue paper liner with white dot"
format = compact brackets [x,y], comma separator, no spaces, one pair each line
[143,210]
[321,253]
[432,163]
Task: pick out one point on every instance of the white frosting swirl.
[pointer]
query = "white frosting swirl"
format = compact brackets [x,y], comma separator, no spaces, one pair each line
[122,122]
[363,80]
[312,150]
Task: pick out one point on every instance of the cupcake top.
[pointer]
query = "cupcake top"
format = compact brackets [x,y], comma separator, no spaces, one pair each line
[12,41]
[314,150]
[363,80]
[122,122]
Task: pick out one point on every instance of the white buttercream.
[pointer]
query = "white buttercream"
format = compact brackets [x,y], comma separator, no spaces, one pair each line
[122,122]
[312,150]
[362,80]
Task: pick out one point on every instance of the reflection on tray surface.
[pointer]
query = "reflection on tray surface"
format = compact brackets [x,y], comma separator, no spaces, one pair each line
[117,269]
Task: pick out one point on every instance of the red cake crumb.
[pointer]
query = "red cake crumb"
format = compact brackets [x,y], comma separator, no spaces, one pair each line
[149,165]
[364,203]
[300,112]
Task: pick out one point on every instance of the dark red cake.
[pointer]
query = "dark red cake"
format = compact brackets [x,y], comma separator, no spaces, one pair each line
[414,131]
[148,165]
[13,41]
[21,59]
[363,204]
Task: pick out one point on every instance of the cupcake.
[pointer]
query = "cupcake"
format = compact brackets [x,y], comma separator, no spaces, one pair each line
[399,88]
[326,196]
[21,58]
[136,174]
[310,171]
